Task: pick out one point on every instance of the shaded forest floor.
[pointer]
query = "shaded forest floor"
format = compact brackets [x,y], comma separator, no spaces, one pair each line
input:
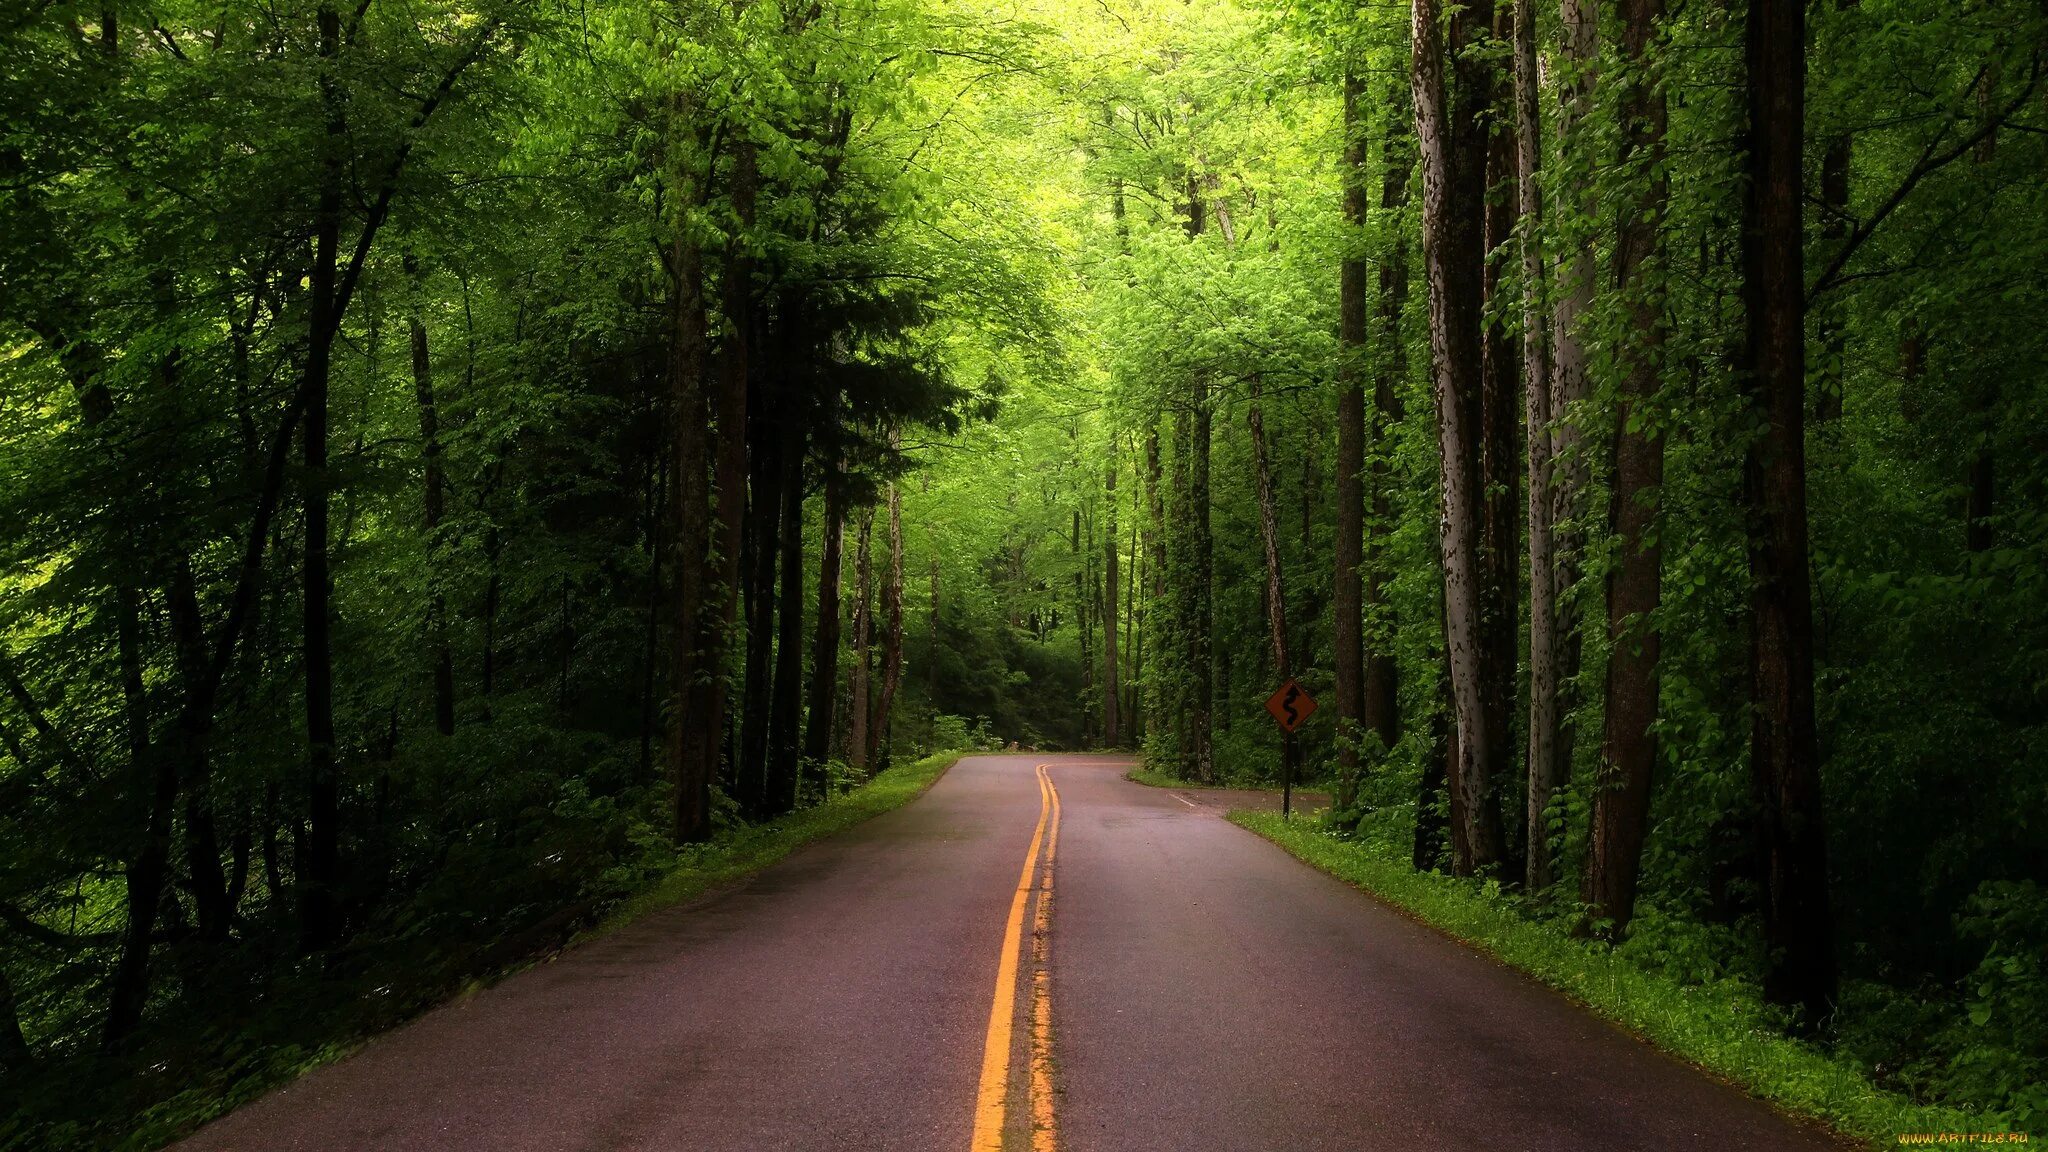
[195,1070]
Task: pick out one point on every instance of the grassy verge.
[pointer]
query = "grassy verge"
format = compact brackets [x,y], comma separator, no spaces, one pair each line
[283,1052]
[1721,1027]
[1153,778]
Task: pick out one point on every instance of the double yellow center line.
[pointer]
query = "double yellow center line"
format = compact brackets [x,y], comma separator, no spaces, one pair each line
[992,1100]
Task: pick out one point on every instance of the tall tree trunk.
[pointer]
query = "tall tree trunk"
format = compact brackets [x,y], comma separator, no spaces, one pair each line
[15,1054]
[1382,706]
[692,726]
[1546,771]
[759,555]
[1571,380]
[1453,180]
[785,711]
[1201,648]
[434,500]
[1200,645]
[892,635]
[318,906]
[819,725]
[1276,588]
[860,715]
[1158,712]
[1500,411]
[704,719]
[1112,690]
[1347,587]
[1784,744]
[1621,803]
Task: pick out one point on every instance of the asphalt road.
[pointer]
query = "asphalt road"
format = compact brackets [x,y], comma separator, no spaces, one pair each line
[1174,983]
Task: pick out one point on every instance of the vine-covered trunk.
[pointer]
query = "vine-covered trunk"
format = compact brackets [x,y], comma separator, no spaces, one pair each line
[1621,801]
[1500,411]
[1347,586]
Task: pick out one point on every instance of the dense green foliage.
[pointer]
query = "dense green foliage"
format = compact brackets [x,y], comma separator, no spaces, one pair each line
[424,430]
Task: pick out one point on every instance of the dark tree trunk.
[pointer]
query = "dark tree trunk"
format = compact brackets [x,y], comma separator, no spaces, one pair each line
[1347,587]
[860,714]
[435,500]
[692,727]
[1621,802]
[762,550]
[825,641]
[1430,825]
[1112,698]
[892,636]
[1784,744]
[1500,466]
[785,712]
[318,904]
[1570,377]
[15,1054]
[703,717]
[1158,709]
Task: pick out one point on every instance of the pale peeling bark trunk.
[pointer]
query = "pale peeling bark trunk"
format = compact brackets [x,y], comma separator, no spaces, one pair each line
[1451,254]
[1784,745]
[1621,803]
[1545,769]
[1347,588]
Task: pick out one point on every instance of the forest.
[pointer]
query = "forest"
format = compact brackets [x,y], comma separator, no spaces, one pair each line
[460,458]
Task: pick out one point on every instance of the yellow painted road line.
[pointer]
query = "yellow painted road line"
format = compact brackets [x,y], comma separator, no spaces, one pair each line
[1044,1132]
[993,1096]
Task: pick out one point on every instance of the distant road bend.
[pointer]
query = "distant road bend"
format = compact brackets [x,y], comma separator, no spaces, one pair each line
[1038,954]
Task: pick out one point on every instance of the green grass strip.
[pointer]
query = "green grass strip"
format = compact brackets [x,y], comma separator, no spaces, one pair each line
[1721,1027]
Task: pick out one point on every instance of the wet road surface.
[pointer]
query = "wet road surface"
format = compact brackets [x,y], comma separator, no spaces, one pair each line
[1174,983]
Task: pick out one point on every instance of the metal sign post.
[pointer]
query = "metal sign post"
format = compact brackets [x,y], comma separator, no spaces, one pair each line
[1291,707]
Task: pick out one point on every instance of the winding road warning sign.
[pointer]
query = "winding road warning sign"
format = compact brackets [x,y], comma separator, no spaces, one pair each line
[1290,706]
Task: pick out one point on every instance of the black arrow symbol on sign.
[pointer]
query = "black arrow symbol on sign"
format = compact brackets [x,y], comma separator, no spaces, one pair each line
[1287,704]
